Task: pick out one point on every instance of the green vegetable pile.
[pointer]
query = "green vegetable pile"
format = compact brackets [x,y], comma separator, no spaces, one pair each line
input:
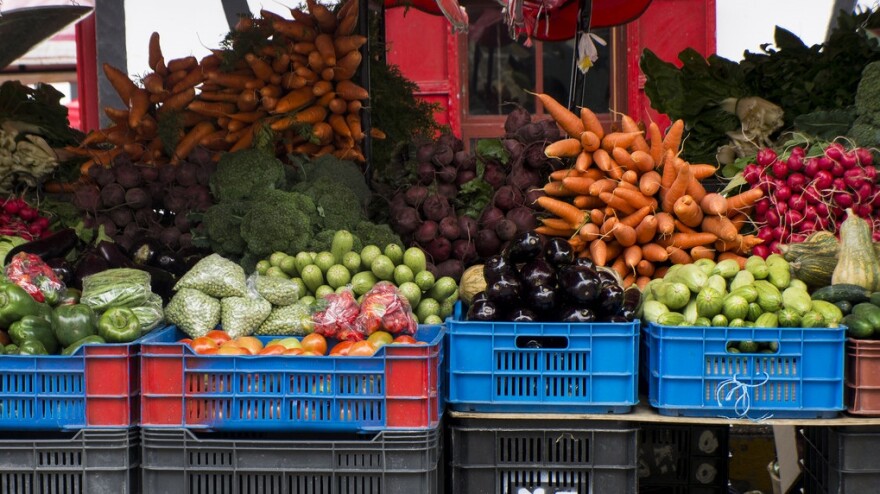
[762,295]
[866,127]
[346,265]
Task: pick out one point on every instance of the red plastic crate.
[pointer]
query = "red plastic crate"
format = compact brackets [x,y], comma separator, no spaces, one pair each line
[98,386]
[397,388]
[863,377]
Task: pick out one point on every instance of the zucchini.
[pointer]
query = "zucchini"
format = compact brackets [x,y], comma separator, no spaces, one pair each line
[853,294]
[868,312]
[844,305]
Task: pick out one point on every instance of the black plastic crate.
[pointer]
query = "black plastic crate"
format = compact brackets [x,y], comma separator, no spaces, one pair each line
[502,456]
[841,459]
[188,462]
[90,461]
[686,459]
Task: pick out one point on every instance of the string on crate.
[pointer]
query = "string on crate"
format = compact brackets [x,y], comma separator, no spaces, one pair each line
[740,394]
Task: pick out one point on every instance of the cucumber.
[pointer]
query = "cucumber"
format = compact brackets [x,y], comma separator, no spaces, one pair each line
[857,327]
[843,291]
[875,298]
[868,312]
[844,305]
[342,243]
[312,276]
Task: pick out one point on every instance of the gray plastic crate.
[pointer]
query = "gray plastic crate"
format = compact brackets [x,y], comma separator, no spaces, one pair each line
[187,462]
[90,461]
[683,459]
[502,456]
[841,459]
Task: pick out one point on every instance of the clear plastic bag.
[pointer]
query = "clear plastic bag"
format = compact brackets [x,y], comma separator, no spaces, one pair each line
[35,276]
[337,317]
[215,276]
[241,316]
[194,312]
[150,315]
[289,320]
[278,291]
[385,309]
[120,287]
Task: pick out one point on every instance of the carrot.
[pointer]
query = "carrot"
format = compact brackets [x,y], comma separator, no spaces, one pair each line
[619,139]
[590,141]
[554,232]
[184,63]
[617,202]
[212,109]
[175,77]
[577,185]
[679,256]
[608,225]
[324,46]
[599,252]
[695,189]
[665,224]
[138,106]
[743,200]
[574,216]
[635,198]
[632,256]
[589,232]
[295,30]
[228,95]
[316,62]
[646,229]
[701,172]
[630,177]
[193,78]
[656,142]
[672,139]
[739,221]
[627,124]
[564,148]
[606,163]
[347,66]
[649,183]
[247,100]
[583,161]
[591,123]
[597,216]
[354,106]
[321,88]
[619,265]
[346,44]
[669,172]
[645,268]
[682,228]
[268,103]
[246,140]
[635,219]
[691,240]
[191,140]
[310,115]
[654,252]
[568,121]
[623,158]
[323,16]
[555,223]
[742,245]
[261,68]
[604,185]
[642,282]
[348,90]
[679,185]
[154,83]
[281,64]
[120,82]
[643,161]
[339,126]
[557,189]
[235,81]
[701,252]
[564,173]
[155,59]
[357,133]
[294,100]
[624,234]
[688,211]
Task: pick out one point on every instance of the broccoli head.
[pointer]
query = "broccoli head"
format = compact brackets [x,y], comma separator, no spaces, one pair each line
[337,207]
[246,174]
[343,172]
[221,224]
[376,234]
[865,132]
[275,222]
[868,92]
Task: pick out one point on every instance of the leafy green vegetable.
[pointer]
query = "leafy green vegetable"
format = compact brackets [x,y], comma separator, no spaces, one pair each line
[40,106]
[492,149]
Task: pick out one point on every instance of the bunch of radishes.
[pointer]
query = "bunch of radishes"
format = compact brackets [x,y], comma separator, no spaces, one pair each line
[20,219]
[809,189]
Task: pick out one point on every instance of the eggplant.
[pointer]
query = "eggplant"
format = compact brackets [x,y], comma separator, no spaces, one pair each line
[58,244]
[616,319]
[627,315]
[632,299]
[62,269]
[585,262]
[578,314]
[483,311]
[113,255]
[169,261]
[580,285]
[524,247]
[558,252]
[537,272]
[144,250]
[496,267]
[606,278]
[542,298]
[610,299]
[480,297]
[89,263]
[161,282]
[522,315]
[505,290]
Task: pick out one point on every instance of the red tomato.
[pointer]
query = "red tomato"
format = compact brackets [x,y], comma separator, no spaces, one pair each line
[314,342]
[405,339]
[218,336]
[232,350]
[362,349]
[249,343]
[202,343]
[341,349]
[186,341]
[273,350]
[293,351]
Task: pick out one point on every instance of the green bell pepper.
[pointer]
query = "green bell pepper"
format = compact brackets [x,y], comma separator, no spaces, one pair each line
[10,349]
[16,303]
[78,343]
[73,322]
[32,347]
[119,325]
[34,328]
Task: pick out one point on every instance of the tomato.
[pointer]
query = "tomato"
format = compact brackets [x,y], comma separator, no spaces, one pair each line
[202,343]
[250,343]
[232,350]
[315,342]
[341,349]
[311,354]
[218,336]
[406,339]
[293,351]
[211,351]
[273,350]
[362,349]
[380,339]
[186,341]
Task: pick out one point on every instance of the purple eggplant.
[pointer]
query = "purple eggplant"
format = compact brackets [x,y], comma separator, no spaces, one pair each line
[558,252]
[580,285]
[524,247]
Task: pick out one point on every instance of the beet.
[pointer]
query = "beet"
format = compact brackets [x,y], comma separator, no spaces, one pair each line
[468,226]
[514,148]
[490,217]
[487,243]
[200,197]
[149,173]
[523,218]
[137,198]
[406,220]
[87,197]
[102,175]
[109,227]
[156,190]
[112,195]
[450,267]
[425,152]
[415,195]
[465,250]
[131,230]
[176,199]
[550,130]
[530,133]
[439,249]
[169,237]
[505,229]
[145,217]
[199,155]
[531,199]
[425,173]
[516,119]
[447,174]
[450,140]
[426,232]
[436,207]
[524,178]
[535,157]
[181,221]
[507,197]
[443,155]
[449,228]
[462,158]
[464,176]
[448,191]
[121,216]
[205,171]
[128,175]
[168,174]
[187,174]
[185,240]
[397,203]
[495,175]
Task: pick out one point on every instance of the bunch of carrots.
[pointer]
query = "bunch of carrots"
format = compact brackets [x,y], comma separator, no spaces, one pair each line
[295,80]
[631,203]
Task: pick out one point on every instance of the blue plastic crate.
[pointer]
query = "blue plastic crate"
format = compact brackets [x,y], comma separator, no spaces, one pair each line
[542,367]
[399,387]
[693,374]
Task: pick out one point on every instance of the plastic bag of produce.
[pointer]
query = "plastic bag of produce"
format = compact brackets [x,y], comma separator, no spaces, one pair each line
[35,277]
[150,315]
[289,320]
[278,291]
[337,317]
[241,316]
[194,312]
[384,308]
[215,276]
[120,287]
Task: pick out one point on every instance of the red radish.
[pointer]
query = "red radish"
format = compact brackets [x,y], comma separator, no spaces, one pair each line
[797,202]
[834,152]
[772,218]
[793,218]
[765,157]
[843,200]
[864,156]
[862,210]
[796,181]
[766,234]
[752,174]
[822,209]
[839,184]
[837,169]
[824,163]
[811,167]
[849,160]
[865,193]
[795,162]
[780,169]
[782,193]
[823,179]
[761,251]
[808,227]
[797,238]
[762,206]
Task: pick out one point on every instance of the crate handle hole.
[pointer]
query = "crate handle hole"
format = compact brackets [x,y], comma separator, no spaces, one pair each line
[541,342]
[752,347]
